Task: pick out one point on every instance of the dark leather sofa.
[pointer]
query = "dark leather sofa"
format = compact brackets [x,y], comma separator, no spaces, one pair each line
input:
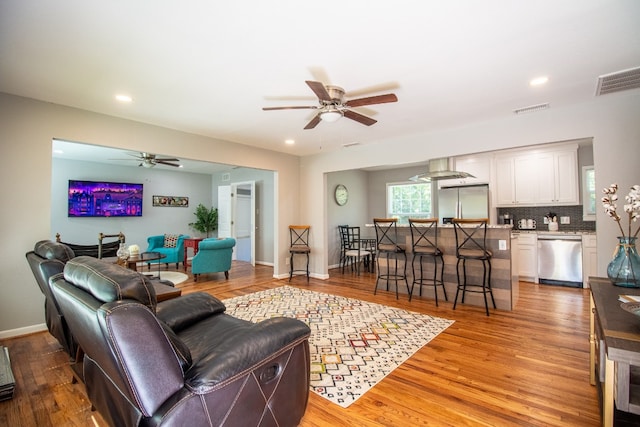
[46,260]
[182,362]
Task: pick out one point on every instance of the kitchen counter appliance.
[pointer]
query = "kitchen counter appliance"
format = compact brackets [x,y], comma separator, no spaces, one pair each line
[560,259]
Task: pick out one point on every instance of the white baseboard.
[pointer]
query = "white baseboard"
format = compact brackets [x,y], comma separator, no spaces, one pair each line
[11,333]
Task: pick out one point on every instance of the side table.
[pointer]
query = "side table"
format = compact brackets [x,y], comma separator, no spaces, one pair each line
[191,242]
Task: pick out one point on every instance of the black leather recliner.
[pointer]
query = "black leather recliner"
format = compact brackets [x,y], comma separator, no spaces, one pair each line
[183,362]
[46,260]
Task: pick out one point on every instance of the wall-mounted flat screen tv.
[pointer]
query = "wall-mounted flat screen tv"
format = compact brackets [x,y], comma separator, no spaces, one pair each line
[104,199]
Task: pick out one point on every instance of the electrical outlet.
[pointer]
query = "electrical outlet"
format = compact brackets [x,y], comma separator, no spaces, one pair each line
[565,220]
[286,261]
[502,245]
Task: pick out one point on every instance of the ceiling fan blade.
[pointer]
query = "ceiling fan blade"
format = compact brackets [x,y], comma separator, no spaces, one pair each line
[360,118]
[378,99]
[306,107]
[164,162]
[319,89]
[166,159]
[313,123]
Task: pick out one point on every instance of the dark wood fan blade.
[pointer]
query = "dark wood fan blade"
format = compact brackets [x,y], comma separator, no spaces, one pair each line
[368,121]
[306,107]
[313,123]
[162,162]
[378,99]
[319,89]
[166,159]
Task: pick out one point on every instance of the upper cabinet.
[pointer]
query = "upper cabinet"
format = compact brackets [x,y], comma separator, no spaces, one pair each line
[538,177]
[478,165]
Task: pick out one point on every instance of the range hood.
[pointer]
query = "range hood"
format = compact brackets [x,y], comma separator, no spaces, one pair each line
[440,169]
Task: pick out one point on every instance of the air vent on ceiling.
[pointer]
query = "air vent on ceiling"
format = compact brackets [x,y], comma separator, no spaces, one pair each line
[350,144]
[532,108]
[618,81]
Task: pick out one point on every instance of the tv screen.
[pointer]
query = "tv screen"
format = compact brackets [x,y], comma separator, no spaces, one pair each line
[104,199]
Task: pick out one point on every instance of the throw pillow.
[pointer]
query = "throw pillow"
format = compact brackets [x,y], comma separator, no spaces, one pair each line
[170,240]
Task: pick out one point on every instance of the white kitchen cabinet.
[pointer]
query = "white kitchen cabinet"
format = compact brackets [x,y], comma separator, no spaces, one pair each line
[528,257]
[537,178]
[505,187]
[589,258]
[477,165]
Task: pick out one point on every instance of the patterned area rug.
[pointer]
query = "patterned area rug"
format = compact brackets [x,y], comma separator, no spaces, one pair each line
[354,344]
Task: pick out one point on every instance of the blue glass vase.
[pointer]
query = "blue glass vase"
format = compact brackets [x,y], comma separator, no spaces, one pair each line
[624,268]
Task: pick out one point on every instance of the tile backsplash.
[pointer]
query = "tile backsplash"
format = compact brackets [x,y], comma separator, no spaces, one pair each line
[539,212]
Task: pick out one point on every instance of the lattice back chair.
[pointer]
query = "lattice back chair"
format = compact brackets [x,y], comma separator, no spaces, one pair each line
[355,251]
[424,243]
[344,244]
[389,248]
[471,244]
[299,235]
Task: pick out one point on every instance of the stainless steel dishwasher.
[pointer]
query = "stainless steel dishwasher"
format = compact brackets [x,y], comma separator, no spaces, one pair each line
[560,259]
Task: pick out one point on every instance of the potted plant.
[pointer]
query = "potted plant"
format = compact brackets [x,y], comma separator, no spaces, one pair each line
[206,219]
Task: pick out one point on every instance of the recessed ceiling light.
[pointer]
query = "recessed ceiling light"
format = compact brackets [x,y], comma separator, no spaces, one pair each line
[289,141]
[539,81]
[124,98]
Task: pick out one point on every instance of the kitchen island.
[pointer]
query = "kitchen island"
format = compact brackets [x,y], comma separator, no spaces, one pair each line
[504,275]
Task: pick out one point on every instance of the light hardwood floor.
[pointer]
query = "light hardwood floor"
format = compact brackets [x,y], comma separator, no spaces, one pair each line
[526,367]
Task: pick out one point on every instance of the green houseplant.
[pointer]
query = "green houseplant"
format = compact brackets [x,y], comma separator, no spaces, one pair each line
[206,219]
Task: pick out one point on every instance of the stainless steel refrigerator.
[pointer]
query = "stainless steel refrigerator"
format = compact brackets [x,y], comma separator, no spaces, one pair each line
[470,201]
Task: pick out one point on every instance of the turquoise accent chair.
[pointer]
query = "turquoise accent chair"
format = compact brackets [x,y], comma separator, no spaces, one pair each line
[214,255]
[173,254]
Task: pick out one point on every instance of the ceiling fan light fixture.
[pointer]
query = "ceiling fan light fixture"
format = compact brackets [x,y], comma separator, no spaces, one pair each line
[331,115]
[148,163]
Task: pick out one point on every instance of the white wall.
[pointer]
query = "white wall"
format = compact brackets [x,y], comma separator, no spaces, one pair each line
[27,128]
[612,120]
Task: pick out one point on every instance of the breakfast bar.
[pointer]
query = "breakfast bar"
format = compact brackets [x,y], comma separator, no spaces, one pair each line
[504,275]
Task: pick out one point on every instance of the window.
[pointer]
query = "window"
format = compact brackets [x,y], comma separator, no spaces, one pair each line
[588,193]
[409,200]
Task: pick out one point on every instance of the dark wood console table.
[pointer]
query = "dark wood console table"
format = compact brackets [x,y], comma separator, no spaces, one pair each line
[615,350]
[191,242]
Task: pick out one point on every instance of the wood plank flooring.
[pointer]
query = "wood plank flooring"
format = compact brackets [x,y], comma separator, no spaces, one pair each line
[526,367]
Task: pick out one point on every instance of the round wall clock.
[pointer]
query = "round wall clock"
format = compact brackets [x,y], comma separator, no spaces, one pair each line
[341,195]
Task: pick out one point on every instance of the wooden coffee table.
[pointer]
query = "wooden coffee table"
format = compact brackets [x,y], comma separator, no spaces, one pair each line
[165,292]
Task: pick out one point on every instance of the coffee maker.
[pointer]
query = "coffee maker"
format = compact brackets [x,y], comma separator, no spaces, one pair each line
[506,219]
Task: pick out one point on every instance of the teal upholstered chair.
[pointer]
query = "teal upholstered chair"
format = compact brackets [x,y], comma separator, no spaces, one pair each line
[214,255]
[171,245]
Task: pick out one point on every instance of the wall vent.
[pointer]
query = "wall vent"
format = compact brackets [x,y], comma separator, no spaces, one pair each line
[618,81]
[532,108]
[350,144]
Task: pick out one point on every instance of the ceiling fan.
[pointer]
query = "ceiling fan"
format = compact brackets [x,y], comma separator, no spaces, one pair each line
[148,160]
[332,105]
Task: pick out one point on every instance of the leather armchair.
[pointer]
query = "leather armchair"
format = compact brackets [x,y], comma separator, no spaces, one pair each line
[214,255]
[183,361]
[46,260]
[174,254]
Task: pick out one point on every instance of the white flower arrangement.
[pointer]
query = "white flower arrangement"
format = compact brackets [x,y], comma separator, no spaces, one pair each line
[632,207]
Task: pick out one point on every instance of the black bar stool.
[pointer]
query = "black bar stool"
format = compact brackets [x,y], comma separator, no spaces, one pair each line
[424,242]
[387,245]
[299,246]
[471,244]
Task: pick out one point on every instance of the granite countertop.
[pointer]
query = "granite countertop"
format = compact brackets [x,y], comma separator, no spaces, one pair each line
[543,231]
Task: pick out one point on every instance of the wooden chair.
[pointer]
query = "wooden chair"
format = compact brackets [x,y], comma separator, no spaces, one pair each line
[299,235]
[471,245]
[424,242]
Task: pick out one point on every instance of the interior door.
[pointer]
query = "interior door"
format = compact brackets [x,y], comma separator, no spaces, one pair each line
[243,202]
[224,211]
